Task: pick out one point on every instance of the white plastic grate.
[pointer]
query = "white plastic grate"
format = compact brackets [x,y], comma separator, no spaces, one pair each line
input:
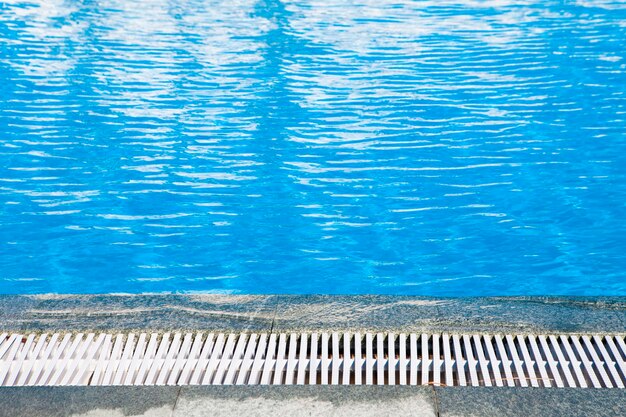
[597,361]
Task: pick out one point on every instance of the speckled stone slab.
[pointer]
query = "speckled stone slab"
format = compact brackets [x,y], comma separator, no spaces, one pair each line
[297,401]
[209,401]
[150,313]
[313,401]
[530,402]
[295,313]
[355,313]
[87,401]
[417,314]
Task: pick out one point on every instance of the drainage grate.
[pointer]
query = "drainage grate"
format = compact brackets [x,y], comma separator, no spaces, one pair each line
[337,359]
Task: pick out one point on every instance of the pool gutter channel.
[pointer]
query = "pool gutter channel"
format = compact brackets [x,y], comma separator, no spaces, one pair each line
[106,359]
[519,317]
[346,340]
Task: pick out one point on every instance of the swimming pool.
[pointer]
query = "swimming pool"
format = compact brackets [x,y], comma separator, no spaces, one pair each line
[445,148]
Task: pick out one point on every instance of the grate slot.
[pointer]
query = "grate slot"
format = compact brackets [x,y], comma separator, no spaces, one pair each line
[482,361]
[574,361]
[448,360]
[259,358]
[495,364]
[541,362]
[608,362]
[303,361]
[616,356]
[528,364]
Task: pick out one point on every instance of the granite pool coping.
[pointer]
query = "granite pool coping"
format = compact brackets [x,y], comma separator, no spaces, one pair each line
[296,313]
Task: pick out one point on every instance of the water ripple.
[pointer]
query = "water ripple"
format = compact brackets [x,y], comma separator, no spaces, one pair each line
[455,147]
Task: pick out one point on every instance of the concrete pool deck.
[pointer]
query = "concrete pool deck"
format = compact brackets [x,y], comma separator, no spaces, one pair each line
[271,314]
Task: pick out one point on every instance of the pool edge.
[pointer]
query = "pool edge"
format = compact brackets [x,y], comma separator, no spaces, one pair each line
[296,313]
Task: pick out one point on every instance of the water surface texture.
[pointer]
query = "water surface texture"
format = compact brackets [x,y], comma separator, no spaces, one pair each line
[313,146]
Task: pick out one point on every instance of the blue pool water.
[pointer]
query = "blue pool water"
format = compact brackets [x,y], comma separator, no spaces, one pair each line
[451,148]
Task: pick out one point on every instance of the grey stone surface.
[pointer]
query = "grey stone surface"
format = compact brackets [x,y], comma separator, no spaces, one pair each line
[535,314]
[295,401]
[386,313]
[136,312]
[320,312]
[285,313]
[530,402]
[87,401]
[337,401]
